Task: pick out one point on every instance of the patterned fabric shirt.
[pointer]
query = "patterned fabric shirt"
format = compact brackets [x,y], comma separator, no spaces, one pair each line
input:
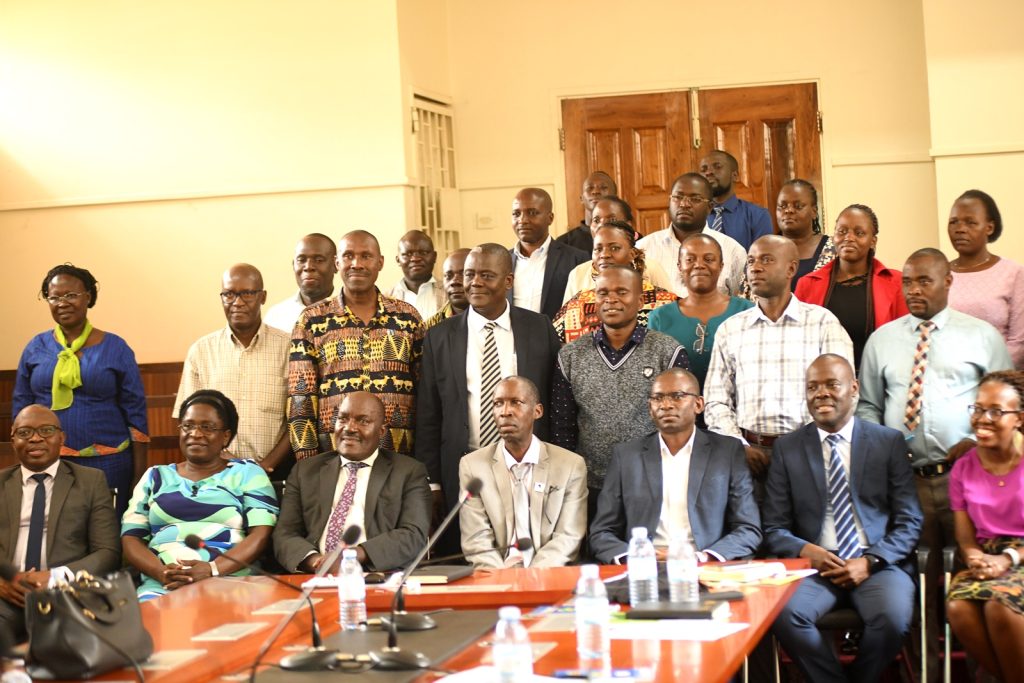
[255,378]
[333,352]
[756,378]
[579,315]
[446,312]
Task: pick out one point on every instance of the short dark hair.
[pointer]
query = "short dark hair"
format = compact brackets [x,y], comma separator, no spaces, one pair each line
[732,160]
[1011,378]
[695,176]
[321,236]
[693,236]
[864,208]
[932,253]
[990,208]
[494,249]
[531,389]
[80,274]
[800,182]
[627,210]
[225,408]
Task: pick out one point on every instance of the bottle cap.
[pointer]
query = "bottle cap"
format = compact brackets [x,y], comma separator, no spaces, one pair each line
[639,532]
[348,554]
[509,613]
[589,571]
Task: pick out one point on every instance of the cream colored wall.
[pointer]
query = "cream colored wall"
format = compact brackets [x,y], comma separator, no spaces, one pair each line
[512,63]
[155,143]
[975,79]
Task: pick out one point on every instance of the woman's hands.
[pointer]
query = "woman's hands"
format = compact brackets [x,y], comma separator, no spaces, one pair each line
[188,571]
[982,566]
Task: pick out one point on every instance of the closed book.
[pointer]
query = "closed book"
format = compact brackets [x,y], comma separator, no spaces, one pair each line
[441,573]
[705,609]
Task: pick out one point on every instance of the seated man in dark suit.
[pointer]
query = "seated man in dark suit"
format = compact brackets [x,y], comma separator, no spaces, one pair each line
[679,480]
[386,494]
[56,518]
[840,492]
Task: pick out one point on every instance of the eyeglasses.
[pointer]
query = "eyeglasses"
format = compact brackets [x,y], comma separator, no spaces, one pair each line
[690,199]
[702,333]
[991,414]
[70,297]
[674,397]
[246,295]
[204,428]
[45,431]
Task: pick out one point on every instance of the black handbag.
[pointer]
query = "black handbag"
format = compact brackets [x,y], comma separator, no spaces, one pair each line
[85,628]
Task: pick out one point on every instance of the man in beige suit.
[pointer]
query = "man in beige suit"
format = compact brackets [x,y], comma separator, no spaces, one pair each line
[531,489]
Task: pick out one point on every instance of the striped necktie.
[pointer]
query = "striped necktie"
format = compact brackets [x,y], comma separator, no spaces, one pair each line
[718,223]
[847,544]
[490,374]
[912,417]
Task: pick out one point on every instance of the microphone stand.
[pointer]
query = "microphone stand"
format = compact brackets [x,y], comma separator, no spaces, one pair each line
[392,657]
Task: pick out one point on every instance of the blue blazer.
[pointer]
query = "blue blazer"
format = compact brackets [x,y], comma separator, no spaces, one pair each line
[561,260]
[881,486]
[719,497]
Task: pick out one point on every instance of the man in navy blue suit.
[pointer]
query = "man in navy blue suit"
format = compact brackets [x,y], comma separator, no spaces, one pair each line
[677,480]
[840,492]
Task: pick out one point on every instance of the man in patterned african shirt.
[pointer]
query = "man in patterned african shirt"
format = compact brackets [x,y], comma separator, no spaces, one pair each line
[360,340]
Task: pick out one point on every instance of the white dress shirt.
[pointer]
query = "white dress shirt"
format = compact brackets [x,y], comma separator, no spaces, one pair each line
[427,300]
[675,480]
[284,314]
[531,457]
[28,493]
[528,284]
[356,513]
[474,356]
[828,525]
[663,246]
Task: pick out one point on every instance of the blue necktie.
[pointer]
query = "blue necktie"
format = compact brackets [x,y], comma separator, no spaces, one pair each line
[847,545]
[36,524]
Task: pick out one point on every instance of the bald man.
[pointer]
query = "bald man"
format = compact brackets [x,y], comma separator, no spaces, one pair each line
[315,265]
[754,387]
[542,265]
[596,187]
[417,286]
[247,361]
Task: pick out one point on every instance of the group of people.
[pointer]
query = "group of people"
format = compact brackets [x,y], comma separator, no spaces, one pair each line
[742,389]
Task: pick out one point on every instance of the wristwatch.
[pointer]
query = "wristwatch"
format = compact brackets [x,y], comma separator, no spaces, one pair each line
[874,563]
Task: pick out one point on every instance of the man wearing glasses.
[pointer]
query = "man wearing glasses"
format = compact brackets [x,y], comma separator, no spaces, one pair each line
[688,208]
[597,397]
[680,481]
[57,518]
[247,361]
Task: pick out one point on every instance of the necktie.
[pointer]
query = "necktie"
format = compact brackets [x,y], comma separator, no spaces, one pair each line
[912,418]
[36,524]
[490,374]
[847,545]
[336,524]
[521,506]
[717,223]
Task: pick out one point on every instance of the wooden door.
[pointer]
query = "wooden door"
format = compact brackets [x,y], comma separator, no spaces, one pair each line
[641,141]
[644,142]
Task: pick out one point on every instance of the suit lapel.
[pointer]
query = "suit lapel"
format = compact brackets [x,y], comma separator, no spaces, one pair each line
[813,458]
[554,256]
[328,475]
[699,459]
[511,293]
[378,476]
[520,340]
[504,486]
[540,476]
[650,459]
[858,460]
[12,494]
[459,344]
[61,485]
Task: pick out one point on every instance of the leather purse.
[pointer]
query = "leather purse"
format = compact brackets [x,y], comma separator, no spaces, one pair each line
[85,628]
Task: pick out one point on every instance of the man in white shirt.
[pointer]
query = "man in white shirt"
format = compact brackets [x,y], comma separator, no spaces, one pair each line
[680,481]
[416,257]
[541,265]
[315,265]
[688,209]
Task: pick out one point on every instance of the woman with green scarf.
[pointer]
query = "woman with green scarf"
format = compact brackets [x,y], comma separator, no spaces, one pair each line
[90,379]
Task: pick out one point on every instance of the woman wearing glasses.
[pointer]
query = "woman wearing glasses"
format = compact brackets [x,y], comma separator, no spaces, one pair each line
[986,495]
[862,292]
[227,504]
[90,379]
[693,320]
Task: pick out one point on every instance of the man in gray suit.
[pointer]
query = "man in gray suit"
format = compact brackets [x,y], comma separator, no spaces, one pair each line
[386,494]
[69,512]
[678,481]
[531,489]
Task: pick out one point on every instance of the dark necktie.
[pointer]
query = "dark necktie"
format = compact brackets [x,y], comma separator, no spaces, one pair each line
[847,544]
[37,524]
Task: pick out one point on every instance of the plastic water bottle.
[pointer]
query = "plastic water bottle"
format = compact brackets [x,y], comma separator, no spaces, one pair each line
[643,568]
[682,571]
[351,593]
[592,644]
[513,658]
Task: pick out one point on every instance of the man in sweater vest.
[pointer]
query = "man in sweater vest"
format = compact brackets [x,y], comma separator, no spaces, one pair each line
[599,393]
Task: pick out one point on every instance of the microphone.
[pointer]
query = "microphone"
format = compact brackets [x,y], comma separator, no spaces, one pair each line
[522,544]
[392,657]
[196,543]
[317,658]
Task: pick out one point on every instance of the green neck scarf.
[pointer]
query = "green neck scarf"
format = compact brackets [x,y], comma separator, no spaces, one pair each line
[67,376]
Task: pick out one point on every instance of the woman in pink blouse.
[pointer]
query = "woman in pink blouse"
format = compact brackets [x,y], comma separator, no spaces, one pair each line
[986,495]
[985,285]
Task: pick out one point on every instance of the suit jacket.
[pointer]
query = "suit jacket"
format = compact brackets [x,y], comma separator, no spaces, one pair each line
[887,299]
[558,512]
[881,486]
[561,260]
[442,410]
[81,529]
[719,497]
[397,509]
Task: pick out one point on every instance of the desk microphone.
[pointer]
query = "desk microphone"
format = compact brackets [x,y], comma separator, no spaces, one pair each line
[521,544]
[392,657]
[196,543]
[317,657]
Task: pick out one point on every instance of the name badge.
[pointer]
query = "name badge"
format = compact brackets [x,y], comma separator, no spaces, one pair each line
[539,487]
